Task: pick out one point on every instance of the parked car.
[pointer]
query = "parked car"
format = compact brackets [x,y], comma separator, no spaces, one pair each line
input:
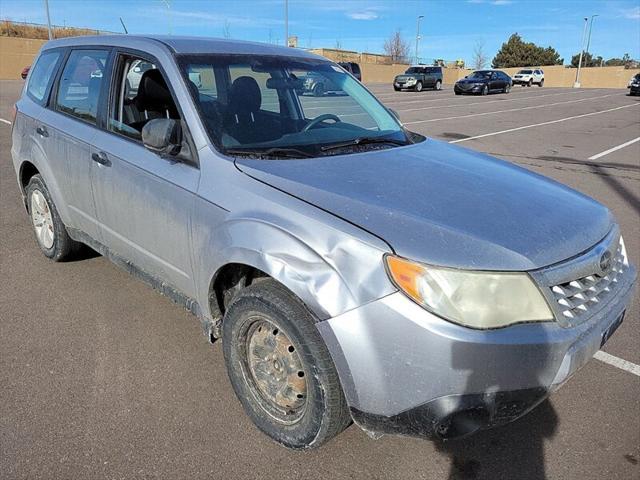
[528,77]
[419,77]
[483,82]
[340,289]
[353,68]
[318,85]
[25,72]
[634,84]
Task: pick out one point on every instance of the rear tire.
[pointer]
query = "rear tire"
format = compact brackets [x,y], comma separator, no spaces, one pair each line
[485,90]
[507,89]
[50,232]
[530,82]
[280,368]
[438,85]
[418,87]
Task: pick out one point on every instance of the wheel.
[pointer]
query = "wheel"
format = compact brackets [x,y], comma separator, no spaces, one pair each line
[530,82]
[318,90]
[438,85]
[418,87]
[507,89]
[541,83]
[51,234]
[485,90]
[280,367]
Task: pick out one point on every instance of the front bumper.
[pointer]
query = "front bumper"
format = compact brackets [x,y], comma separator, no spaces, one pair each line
[467,89]
[407,371]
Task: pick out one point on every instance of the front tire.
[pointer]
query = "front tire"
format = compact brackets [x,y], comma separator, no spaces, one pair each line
[530,82]
[485,90]
[541,83]
[418,87]
[507,89]
[318,90]
[50,232]
[280,368]
[438,85]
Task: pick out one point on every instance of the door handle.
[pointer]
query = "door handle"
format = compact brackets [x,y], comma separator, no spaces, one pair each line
[101,158]
[42,131]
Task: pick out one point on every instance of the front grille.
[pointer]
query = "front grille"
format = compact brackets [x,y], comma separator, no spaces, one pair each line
[577,297]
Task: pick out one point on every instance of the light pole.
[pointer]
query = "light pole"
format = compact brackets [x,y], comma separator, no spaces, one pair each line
[46,7]
[167,3]
[286,23]
[584,34]
[418,35]
[589,36]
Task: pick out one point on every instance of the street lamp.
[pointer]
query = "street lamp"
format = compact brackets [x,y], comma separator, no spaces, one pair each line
[46,7]
[589,36]
[418,35]
[584,34]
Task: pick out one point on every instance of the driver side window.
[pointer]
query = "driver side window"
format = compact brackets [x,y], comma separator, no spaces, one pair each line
[142,94]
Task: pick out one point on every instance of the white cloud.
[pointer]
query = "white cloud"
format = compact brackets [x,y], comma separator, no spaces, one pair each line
[632,13]
[365,15]
[501,2]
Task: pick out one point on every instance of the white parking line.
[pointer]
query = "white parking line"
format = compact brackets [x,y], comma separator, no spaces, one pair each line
[524,127]
[482,103]
[617,362]
[531,107]
[5,121]
[611,150]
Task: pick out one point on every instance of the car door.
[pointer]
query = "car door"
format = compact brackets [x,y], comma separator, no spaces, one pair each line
[494,82]
[69,125]
[143,201]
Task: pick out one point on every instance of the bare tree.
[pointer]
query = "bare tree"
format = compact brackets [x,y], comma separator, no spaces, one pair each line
[226,29]
[480,58]
[397,48]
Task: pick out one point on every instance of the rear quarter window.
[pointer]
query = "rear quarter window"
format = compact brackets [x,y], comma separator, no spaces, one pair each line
[42,75]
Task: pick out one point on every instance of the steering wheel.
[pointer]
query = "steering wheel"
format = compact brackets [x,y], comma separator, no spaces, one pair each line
[319,119]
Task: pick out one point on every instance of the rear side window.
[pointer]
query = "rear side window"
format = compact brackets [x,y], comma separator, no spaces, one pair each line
[80,84]
[41,75]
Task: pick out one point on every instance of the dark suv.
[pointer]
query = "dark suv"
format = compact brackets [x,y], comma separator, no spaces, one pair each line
[418,77]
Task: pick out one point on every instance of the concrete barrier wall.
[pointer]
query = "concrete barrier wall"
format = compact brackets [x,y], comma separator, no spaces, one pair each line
[15,54]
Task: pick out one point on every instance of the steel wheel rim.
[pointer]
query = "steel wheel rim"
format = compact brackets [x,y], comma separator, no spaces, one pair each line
[275,372]
[42,219]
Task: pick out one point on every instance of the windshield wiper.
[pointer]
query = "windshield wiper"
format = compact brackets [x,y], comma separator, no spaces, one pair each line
[273,152]
[362,141]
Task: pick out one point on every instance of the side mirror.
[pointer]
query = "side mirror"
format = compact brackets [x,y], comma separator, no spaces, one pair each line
[394,113]
[162,136]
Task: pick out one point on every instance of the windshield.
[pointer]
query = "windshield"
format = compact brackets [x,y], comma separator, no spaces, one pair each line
[480,75]
[525,72]
[275,106]
[422,70]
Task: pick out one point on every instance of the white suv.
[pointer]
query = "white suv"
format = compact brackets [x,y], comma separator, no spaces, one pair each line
[529,77]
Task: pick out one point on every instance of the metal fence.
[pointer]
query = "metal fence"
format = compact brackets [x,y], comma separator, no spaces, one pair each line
[12,28]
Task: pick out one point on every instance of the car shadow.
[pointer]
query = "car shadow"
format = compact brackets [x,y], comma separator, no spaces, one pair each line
[513,451]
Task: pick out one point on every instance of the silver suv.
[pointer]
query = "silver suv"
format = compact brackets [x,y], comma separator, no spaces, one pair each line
[354,270]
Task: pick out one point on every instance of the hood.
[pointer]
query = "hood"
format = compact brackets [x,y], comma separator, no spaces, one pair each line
[406,76]
[466,81]
[446,205]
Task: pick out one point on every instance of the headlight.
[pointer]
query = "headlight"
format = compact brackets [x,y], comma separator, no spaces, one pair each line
[411,80]
[471,298]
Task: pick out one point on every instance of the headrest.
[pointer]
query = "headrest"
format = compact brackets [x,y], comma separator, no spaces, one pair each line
[245,96]
[153,91]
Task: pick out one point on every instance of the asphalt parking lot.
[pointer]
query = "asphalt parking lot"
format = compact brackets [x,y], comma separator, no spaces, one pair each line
[101,377]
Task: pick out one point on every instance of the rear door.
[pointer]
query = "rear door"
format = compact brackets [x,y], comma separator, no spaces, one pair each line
[143,201]
[69,125]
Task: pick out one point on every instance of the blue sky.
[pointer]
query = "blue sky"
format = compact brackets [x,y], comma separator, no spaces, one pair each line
[450,29]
